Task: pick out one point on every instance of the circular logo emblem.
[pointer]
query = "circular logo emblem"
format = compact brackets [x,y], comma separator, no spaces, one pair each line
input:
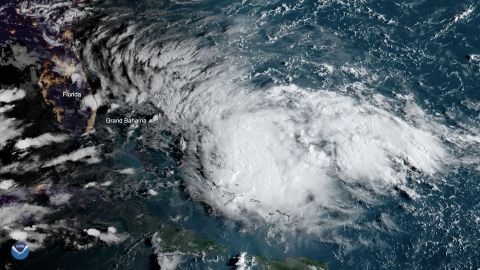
[20,250]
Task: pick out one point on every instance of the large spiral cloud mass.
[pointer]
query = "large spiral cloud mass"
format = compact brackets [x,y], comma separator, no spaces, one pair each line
[288,156]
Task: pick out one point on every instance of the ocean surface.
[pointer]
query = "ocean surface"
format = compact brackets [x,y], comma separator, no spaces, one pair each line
[328,133]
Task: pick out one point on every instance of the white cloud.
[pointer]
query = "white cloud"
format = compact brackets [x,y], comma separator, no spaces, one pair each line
[32,164]
[321,150]
[308,146]
[9,95]
[9,129]
[59,198]
[126,171]
[152,192]
[241,264]
[42,140]
[106,183]
[7,184]
[90,102]
[166,260]
[88,154]
[19,235]
[90,184]
[14,215]
[109,237]
[11,214]
[93,232]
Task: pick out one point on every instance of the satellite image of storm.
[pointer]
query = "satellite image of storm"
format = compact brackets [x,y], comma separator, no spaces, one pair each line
[239,134]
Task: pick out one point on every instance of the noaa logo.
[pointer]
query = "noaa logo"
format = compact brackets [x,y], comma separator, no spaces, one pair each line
[20,250]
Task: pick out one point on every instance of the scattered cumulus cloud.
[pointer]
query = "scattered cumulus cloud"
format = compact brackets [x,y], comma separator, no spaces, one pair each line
[6,184]
[111,236]
[87,154]
[10,95]
[42,140]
